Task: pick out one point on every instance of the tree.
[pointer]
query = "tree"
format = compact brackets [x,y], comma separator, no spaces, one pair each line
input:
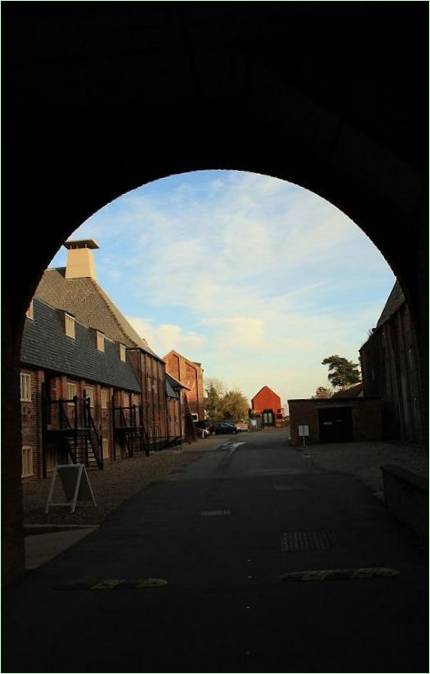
[234,405]
[342,372]
[214,394]
[323,392]
[221,404]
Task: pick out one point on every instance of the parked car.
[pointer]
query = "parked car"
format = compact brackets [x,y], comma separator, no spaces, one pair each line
[223,427]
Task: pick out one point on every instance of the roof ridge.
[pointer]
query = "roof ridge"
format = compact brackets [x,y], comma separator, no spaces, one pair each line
[106,299]
[109,304]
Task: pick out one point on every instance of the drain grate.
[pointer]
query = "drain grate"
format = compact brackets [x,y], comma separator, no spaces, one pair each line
[297,541]
[215,513]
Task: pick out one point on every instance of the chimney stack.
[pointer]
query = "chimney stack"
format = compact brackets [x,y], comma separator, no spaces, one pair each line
[80,260]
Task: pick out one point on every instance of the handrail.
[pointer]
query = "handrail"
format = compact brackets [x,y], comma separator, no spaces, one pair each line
[96,439]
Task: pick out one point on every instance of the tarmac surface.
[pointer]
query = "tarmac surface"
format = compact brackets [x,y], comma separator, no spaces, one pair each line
[220,534]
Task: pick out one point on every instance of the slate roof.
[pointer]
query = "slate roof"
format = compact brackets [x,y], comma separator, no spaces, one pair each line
[394,302]
[170,391]
[45,345]
[88,302]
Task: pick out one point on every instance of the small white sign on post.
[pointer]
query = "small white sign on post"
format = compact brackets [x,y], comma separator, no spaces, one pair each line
[76,486]
[303,432]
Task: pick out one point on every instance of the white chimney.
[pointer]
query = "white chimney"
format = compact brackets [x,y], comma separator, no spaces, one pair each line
[80,260]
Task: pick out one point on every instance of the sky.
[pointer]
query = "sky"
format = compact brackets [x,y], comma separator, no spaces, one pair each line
[256,278]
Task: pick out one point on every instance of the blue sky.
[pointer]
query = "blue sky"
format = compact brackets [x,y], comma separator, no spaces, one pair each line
[255,277]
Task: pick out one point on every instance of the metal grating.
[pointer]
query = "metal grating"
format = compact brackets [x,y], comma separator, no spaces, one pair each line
[215,513]
[298,541]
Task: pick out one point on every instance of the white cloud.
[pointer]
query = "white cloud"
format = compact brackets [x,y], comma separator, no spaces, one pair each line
[257,278]
[165,337]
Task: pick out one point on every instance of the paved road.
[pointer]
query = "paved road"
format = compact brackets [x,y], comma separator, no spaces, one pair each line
[221,532]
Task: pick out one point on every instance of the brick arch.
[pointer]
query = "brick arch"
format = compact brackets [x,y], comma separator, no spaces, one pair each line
[100,100]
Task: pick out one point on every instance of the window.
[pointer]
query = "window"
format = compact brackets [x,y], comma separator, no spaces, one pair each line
[104,398]
[26,461]
[194,416]
[29,312]
[100,341]
[90,393]
[25,387]
[70,325]
[71,390]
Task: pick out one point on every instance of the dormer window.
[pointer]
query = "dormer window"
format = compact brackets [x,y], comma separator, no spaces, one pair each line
[100,341]
[29,312]
[69,325]
[122,352]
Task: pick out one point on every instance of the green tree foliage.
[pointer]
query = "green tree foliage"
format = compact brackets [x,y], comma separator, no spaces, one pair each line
[234,405]
[342,372]
[221,404]
[323,392]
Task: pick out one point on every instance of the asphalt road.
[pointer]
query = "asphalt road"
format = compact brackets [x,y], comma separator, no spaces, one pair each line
[222,532]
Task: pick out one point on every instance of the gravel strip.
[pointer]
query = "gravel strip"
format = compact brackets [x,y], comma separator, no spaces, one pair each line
[364,459]
[112,485]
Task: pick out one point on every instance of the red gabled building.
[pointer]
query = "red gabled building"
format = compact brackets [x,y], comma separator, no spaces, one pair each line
[267,403]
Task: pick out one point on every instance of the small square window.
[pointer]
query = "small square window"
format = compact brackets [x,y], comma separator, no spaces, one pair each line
[25,381]
[122,352]
[70,325]
[29,312]
[100,341]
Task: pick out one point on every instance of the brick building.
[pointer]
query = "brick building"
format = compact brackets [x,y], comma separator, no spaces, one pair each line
[389,365]
[336,419]
[190,374]
[92,390]
[267,403]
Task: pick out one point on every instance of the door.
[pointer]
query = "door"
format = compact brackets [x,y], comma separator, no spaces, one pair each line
[335,424]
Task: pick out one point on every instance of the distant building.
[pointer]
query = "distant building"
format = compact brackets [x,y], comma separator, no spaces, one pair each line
[335,419]
[389,364]
[267,403]
[190,374]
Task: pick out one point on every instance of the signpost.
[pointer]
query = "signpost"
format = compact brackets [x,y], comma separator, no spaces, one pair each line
[303,433]
[75,483]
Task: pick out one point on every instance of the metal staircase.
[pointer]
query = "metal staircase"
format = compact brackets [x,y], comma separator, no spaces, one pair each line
[70,427]
[129,430]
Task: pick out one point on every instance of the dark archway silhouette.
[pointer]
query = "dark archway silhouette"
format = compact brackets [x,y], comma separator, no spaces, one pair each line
[103,98]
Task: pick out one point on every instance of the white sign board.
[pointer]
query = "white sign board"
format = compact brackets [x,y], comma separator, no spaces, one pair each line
[76,486]
[303,431]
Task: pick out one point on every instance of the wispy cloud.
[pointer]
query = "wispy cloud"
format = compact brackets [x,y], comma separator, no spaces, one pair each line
[255,277]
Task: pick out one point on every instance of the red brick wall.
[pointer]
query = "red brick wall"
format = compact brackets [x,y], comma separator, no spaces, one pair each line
[303,412]
[366,418]
[266,400]
[191,375]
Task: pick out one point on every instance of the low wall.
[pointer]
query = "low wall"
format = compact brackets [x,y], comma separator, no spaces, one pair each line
[406,496]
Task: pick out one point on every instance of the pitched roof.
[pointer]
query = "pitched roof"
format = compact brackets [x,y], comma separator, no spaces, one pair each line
[176,383]
[191,362]
[394,302]
[268,389]
[171,391]
[352,391]
[77,357]
[88,302]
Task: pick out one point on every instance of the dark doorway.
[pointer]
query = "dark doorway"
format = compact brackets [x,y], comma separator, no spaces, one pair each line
[335,424]
[268,418]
